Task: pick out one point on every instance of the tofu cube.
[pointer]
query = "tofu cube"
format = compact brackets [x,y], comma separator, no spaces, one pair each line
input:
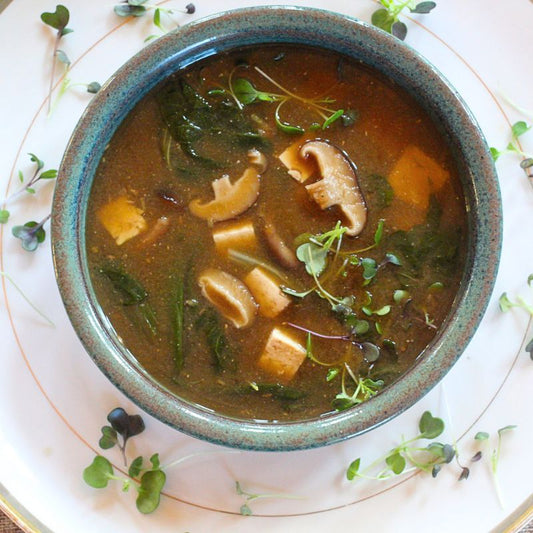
[416,176]
[282,356]
[122,219]
[266,292]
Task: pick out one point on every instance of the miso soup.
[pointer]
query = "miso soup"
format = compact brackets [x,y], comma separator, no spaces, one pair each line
[276,233]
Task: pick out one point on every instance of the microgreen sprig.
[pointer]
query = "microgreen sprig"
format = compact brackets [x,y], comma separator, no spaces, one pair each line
[506,304]
[517,130]
[148,481]
[38,174]
[409,456]
[31,234]
[387,17]
[483,436]
[245,93]
[245,509]
[139,8]
[57,20]
[365,388]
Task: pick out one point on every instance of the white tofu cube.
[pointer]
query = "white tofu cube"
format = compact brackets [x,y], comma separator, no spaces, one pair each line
[282,356]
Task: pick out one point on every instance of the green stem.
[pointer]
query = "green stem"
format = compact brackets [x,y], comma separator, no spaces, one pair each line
[35,308]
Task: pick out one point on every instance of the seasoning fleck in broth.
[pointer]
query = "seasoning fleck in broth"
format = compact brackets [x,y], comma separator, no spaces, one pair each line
[276,233]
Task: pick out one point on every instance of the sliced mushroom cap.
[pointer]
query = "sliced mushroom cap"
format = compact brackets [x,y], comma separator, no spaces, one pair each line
[231,199]
[229,295]
[277,246]
[338,184]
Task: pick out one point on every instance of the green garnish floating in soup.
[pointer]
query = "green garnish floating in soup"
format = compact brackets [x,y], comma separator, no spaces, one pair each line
[291,275]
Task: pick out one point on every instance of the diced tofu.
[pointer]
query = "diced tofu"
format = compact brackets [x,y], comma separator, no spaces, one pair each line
[236,236]
[416,176]
[266,292]
[282,356]
[299,168]
[122,219]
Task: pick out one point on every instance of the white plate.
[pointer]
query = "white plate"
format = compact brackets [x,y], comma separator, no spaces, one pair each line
[53,400]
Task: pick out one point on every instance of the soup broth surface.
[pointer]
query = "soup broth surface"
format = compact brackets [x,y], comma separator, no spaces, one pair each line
[350,313]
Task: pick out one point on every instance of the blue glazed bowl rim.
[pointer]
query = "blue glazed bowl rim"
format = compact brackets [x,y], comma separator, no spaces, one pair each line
[254,26]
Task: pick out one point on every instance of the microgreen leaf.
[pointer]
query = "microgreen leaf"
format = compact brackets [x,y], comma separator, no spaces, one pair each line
[353,469]
[124,424]
[370,352]
[48,174]
[379,232]
[284,126]
[129,10]
[396,462]
[332,118]
[519,128]
[382,19]
[392,259]
[423,8]
[30,234]
[313,256]
[400,295]
[332,374]
[495,153]
[370,268]
[246,93]
[58,19]
[93,87]
[382,311]
[387,17]
[63,57]
[135,467]
[506,428]
[529,348]
[4,216]
[98,473]
[38,162]
[108,438]
[430,426]
[399,30]
[152,483]
[481,435]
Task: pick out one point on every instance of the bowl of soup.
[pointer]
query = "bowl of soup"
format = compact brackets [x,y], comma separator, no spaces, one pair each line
[276,228]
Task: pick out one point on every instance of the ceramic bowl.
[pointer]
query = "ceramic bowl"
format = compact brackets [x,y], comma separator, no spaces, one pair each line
[224,32]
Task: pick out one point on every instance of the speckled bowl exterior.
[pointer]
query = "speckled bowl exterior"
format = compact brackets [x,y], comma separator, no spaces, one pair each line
[255,26]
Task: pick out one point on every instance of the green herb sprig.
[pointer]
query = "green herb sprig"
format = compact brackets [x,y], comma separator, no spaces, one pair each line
[506,304]
[245,508]
[517,130]
[31,234]
[245,93]
[57,20]
[484,437]
[38,174]
[148,477]
[387,17]
[149,481]
[139,8]
[409,455]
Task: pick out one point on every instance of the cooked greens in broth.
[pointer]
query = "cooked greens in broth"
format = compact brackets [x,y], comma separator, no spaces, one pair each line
[276,233]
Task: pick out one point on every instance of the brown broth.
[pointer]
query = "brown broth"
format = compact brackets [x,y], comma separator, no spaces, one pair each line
[388,121]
